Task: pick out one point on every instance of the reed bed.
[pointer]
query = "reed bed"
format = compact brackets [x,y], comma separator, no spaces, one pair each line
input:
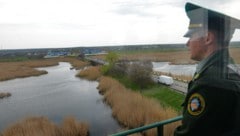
[39,63]
[77,64]
[90,73]
[176,57]
[4,95]
[132,109]
[41,126]
[234,52]
[12,70]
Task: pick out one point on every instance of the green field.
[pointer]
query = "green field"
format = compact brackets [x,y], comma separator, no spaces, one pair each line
[166,96]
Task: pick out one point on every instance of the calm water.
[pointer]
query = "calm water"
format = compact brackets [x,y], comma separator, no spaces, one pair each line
[174,69]
[56,95]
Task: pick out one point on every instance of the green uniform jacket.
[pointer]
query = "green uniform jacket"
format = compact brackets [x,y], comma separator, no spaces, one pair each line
[212,104]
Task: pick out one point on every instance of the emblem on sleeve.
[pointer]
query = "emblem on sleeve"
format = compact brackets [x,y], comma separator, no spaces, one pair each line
[196,104]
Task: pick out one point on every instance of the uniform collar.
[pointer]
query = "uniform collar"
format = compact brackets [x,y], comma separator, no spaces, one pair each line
[203,62]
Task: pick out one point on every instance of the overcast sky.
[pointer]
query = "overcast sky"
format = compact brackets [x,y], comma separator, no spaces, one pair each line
[74,23]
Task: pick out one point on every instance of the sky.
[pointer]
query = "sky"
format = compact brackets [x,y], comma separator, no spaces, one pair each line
[79,23]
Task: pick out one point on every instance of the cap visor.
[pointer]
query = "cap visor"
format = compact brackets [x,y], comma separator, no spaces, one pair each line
[188,33]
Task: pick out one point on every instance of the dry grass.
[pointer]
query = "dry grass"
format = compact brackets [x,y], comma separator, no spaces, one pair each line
[132,109]
[3,95]
[11,70]
[90,73]
[70,127]
[77,64]
[235,53]
[176,57]
[41,126]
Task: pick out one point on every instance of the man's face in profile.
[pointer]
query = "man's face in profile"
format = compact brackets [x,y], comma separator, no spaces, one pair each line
[196,46]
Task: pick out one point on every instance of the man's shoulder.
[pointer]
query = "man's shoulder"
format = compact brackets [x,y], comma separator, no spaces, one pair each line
[216,84]
[233,72]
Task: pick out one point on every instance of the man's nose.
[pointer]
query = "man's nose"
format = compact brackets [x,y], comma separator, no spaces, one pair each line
[187,44]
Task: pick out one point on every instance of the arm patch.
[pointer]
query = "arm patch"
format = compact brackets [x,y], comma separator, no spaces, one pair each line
[196,104]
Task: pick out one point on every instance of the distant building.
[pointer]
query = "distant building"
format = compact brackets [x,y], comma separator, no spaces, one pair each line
[52,54]
[92,51]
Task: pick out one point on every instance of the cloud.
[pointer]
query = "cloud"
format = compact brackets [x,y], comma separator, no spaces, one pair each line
[132,8]
[144,8]
[94,22]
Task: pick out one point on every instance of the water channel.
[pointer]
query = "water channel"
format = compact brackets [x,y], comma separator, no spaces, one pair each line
[57,95]
[187,70]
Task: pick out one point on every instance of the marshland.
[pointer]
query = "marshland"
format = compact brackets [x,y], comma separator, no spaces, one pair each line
[50,95]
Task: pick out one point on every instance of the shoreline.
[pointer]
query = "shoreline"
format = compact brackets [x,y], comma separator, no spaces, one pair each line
[5,95]
[13,70]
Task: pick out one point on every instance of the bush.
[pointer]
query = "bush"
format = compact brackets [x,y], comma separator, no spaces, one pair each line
[140,73]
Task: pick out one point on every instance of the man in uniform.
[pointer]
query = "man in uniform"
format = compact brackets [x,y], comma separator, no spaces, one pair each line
[212,104]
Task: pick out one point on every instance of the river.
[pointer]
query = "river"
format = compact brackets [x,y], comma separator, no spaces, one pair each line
[57,95]
[187,70]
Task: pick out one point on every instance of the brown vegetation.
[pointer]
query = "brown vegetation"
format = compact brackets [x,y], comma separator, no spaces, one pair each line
[234,52]
[41,126]
[132,109]
[176,57]
[77,64]
[3,95]
[91,73]
[11,70]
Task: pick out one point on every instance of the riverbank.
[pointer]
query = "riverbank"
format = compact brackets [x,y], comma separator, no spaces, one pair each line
[141,115]
[34,126]
[174,57]
[131,108]
[12,70]
[4,95]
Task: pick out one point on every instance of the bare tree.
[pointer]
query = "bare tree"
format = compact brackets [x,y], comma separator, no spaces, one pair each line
[140,73]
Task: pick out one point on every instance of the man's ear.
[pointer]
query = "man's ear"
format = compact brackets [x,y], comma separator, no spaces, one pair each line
[209,38]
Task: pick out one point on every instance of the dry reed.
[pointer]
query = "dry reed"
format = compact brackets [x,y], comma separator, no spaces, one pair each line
[11,70]
[77,64]
[90,73]
[3,95]
[234,52]
[132,109]
[176,57]
[41,126]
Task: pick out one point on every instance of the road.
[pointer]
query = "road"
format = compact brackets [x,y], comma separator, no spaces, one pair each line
[179,86]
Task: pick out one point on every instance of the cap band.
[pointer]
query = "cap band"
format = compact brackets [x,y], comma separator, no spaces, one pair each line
[191,26]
